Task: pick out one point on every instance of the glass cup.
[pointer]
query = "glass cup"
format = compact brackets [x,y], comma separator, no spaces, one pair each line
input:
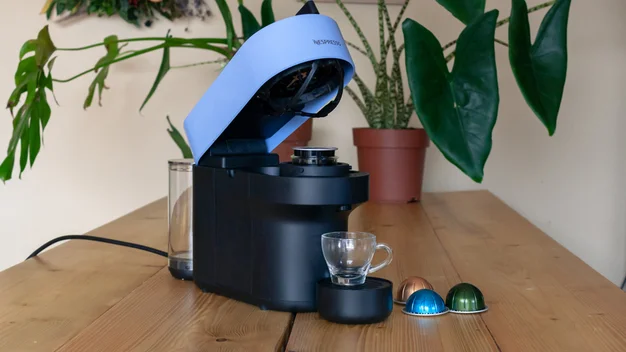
[180,199]
[349,256]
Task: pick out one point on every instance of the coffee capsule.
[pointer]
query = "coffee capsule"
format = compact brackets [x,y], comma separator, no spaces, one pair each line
[465,298]
[425,302]
[410,285]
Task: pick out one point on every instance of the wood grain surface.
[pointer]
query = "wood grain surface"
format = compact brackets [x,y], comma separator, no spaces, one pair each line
[166,314]
[49,299]
[84,296]
[541,297]
[417,252]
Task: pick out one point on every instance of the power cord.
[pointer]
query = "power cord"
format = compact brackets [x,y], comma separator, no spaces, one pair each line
[98,239]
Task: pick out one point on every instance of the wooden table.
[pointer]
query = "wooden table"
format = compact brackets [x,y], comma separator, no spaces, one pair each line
[84,296]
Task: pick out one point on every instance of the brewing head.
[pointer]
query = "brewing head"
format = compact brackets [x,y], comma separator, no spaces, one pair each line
[320,156]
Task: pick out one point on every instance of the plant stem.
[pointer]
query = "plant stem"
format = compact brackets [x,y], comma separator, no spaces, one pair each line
[200,63]
[137,53]
[177,40]
[450,56]
[145,51]
[508,19]
[449,45]
[501,42]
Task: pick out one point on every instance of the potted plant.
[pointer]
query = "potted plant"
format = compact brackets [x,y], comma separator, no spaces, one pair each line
[29,102]
[457,108]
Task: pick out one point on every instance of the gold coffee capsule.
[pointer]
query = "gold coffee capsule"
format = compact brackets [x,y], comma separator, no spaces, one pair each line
[409,286]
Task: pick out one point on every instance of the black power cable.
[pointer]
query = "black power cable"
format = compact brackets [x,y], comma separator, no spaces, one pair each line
[97,239]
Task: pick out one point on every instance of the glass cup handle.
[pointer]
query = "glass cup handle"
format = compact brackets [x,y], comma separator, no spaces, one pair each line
[385,262]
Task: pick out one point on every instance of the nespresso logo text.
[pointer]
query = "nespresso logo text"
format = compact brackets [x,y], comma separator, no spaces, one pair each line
[326,41]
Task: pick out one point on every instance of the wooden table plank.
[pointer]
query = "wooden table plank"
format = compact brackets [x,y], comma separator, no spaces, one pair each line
[540,296]
[166,314]
[47,300]
[417,251]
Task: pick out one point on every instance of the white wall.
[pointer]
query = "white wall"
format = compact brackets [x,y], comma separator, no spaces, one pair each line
[100,164]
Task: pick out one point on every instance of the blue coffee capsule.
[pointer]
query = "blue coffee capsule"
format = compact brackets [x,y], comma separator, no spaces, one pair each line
[425,302]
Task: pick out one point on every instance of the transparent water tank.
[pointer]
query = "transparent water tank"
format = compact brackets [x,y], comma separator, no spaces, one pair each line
[180,199]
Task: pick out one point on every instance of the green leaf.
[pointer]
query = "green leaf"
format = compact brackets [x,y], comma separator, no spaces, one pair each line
[49,12]
[179,140]
[43,111]
[24,143]
[249,23]
[267,13]
[20,125]
[98,82]
[464,10]
[48,79]
[24,68]
[128,12]
[51,63]
[102,69]
[28,47]
[20,88]
[45,47]
[34,135]
[228,21]
[458,109]
[6,168]
[163,70]
[60,7]
[541,68]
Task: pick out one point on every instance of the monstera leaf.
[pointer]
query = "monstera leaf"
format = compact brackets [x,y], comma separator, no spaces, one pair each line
[541,68]
[458,109]
[33,115]
[465,10]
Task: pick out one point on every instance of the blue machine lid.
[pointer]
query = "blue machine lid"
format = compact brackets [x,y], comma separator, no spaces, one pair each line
[234,116]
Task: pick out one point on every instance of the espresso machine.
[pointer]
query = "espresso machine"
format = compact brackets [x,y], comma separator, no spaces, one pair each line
[257,223]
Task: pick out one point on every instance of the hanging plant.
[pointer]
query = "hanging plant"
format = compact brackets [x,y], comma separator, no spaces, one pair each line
[132,11]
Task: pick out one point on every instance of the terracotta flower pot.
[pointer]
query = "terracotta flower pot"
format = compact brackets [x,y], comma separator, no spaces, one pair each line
[395,161]
[300,137]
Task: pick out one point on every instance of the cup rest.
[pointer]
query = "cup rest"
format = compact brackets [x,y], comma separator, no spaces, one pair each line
[369,303]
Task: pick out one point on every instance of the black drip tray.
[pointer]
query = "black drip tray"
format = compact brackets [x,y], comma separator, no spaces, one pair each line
[369,303]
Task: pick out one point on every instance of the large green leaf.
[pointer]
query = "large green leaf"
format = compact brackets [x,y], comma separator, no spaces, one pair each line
[267,13]
[541,68]
[458,109]
[249,23]
[163,70]
[31,80]
[465,10]
[179,140]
